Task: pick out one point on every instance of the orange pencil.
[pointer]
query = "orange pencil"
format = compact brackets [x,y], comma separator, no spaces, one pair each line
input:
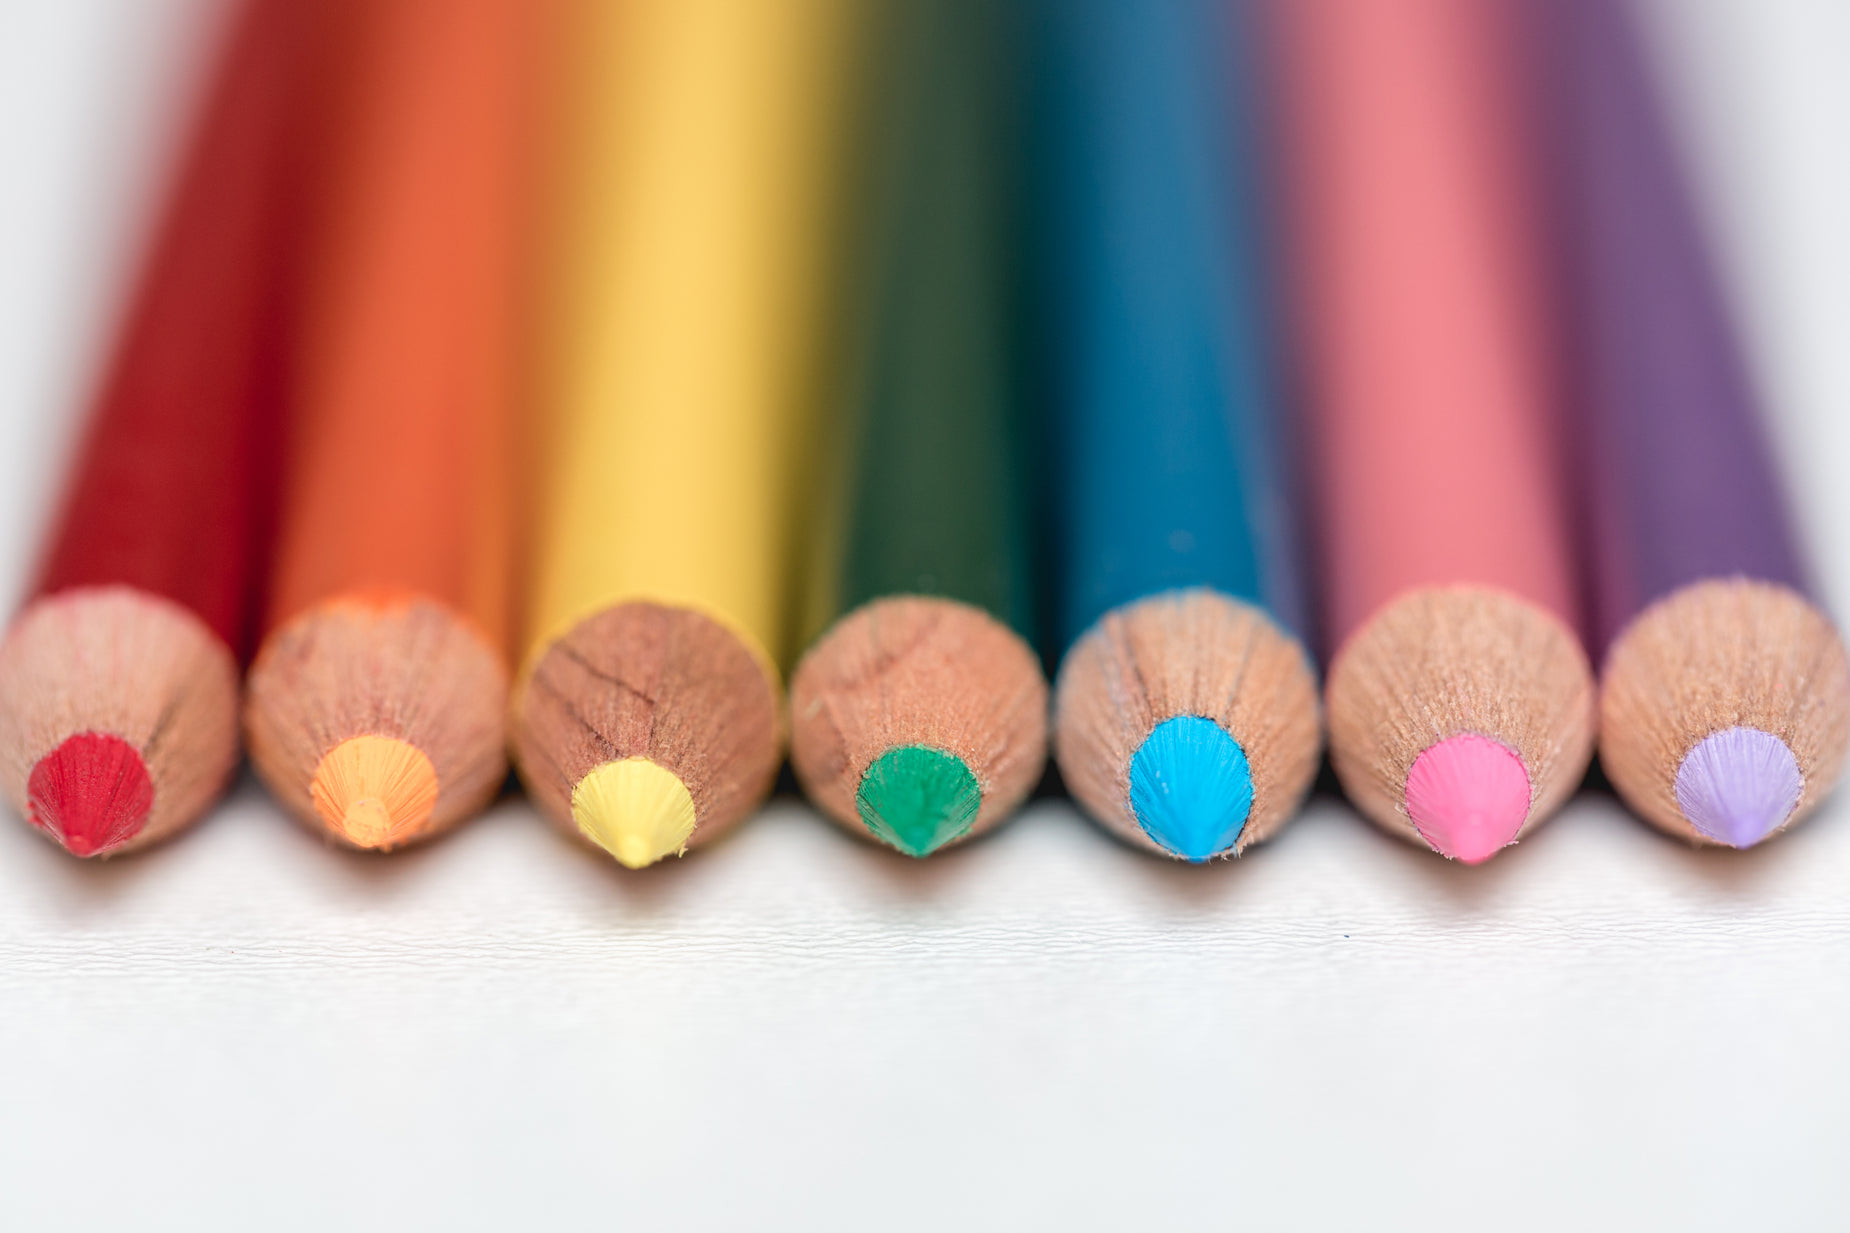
[375,709]
[1460,700]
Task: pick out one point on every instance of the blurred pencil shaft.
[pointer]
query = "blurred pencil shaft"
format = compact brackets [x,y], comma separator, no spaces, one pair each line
[406,454]
[1164,418]
[1681,482]
[1421,309]
[172,489]
[931,435]
[690,299]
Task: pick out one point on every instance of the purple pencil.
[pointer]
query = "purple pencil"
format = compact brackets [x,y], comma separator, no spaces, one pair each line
[1725,693]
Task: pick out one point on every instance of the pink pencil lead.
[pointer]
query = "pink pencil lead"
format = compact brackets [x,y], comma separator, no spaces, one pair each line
[1468,796]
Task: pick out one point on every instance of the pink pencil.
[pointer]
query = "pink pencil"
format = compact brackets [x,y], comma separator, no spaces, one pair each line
[1460,699]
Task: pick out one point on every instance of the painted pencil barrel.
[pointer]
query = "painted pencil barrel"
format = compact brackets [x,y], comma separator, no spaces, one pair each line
[118,683]
[1177,560]
[1460,701]
[929,432]
[1725,704]
[376,706]
[686,321]
[919,716]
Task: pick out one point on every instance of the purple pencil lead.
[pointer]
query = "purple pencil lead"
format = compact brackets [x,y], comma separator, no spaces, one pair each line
[1739,785]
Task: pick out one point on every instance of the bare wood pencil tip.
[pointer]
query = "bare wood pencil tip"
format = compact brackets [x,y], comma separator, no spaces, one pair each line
[1441,663]
[920,720]
[378,721]
[118,718]
[1192,792]
[1725,711]
[655,683]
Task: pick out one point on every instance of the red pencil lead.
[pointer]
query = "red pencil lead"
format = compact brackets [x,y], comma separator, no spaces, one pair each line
[92,793]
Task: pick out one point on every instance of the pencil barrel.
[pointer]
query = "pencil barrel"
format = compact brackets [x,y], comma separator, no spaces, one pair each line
[173,489]
[929,437]
[1164,418]
[1419,304]
[1678,475]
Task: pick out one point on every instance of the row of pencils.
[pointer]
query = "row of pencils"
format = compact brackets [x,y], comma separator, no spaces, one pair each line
[551,375]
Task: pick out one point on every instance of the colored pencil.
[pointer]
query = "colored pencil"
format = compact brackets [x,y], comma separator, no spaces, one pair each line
[119,679]
[1725,696]
[920,715]
[648,713]
[1460,700]
[1185,714]
[376,704]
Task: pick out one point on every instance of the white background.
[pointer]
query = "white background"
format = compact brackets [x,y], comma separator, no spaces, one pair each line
[246,1029]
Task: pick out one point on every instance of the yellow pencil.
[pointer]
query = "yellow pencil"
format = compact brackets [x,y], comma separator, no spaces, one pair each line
[687,327]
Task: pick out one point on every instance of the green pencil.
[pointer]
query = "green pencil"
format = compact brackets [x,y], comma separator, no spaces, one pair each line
[920,714]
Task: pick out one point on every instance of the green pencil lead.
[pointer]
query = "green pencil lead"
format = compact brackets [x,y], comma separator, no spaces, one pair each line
[918,799]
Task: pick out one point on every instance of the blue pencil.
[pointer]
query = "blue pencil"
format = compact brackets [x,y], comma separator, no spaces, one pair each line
[1185,715]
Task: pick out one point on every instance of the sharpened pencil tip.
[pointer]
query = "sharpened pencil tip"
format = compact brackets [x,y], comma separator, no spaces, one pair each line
[918,799]
[92,793]
[1191,787]
[1468,796]
[1738,786]
[374,791]
[635,810]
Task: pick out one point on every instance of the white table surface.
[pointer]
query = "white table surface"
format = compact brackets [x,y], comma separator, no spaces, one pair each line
[248,1030]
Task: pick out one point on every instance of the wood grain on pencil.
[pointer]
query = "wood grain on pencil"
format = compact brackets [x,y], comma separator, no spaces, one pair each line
[1458,717]
[1445,661]
[118,683]
[1188,653]
[911,673]
[1714,659]
[662,684]
[376,707]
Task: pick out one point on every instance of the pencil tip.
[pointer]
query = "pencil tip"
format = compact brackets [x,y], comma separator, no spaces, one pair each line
[635,810]
[92,793]
[1737,786]
[1191,787]
[1468,796]
[918,799]
[374,791]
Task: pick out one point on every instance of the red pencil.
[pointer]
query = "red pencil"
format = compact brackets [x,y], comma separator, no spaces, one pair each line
[119,679]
